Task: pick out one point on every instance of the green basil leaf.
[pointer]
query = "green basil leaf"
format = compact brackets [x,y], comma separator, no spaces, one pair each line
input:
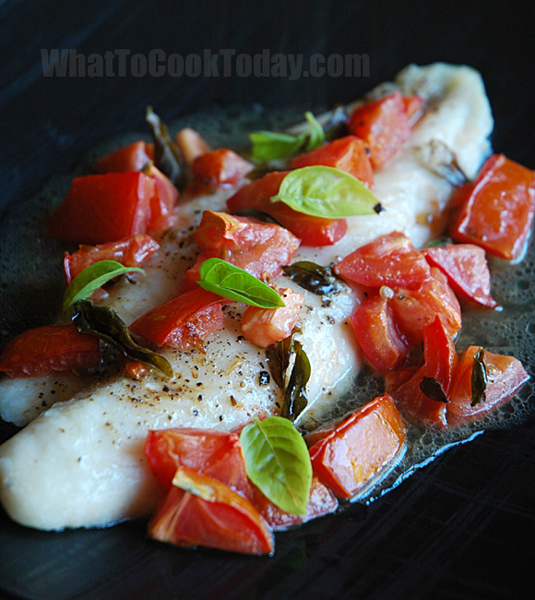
[278,356]
[233,283]
[106,324]
[326,192]
[277,461]
[295,398]
[167,155]
[312,277]
[271,145]
[479,378]
[91,278]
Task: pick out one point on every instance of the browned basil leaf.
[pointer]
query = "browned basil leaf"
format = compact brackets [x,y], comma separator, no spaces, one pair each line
[106,324]
[479,378]
[430,387]
[295,398]
[314,278]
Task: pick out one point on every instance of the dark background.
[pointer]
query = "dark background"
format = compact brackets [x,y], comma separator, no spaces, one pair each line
[463,527]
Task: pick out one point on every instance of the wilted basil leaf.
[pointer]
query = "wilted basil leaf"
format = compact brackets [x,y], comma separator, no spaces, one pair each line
[233,283]
[295,398]
[91,278]
[314,278]
[106,324]
[277,461]
[326,192]
[167,155]
[479,378]
[432,389]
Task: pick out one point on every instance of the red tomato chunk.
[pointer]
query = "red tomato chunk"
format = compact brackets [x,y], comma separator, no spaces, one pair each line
[131,251]
[218,168]
[360,447]
[496,211]
[38,351]
[129,158]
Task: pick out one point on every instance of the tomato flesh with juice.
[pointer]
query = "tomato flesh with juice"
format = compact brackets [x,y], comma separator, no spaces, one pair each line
[38,351]
[345,460]
[218,168]
[312,231]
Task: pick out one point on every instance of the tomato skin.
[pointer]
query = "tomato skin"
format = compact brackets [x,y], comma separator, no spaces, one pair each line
[414,107]
[264,327]
[374,324]
[131,251]
[383,125]
[345,460]
[416,308]
[226,521]
[506,376]
[162,202]
[312,231]
[389,260]
[104,208]
[129,158]
[218,168]
[38,351]
[258,248]
[183,321]
[496,211]
[191,144]
[349,154]
[440,363]
[466,268]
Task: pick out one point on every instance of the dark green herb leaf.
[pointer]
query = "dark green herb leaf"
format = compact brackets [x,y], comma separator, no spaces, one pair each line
[314,278]
[91,278]
[437,157]
[295,398]
[278,356]
[335,126]
[326,192]
[277,461]
[104,322]
[167,155]
[433,389]
[233,283]
[479,378]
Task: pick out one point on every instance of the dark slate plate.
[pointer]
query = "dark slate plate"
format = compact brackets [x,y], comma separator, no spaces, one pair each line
[460,528]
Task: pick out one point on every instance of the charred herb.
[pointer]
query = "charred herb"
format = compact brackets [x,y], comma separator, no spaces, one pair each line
[431,388]
[314,278]
[479,378]
[106,324]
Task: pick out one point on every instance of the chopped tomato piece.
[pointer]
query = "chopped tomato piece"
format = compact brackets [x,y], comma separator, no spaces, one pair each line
[377,334]
[209,451]
[496,211]
[383,125]
[191,144]
[389,260]
[360,447]
[505,377]
[263,327]
[104,208]
[129,158]
[321,501]
[38,351]
[416,308]
[414,106]
[465,266]
[218,168]
[349,154]
[131,251]
[183,321]
[437,373]
[163,201]
[214,516]
[312,231]
[259,248]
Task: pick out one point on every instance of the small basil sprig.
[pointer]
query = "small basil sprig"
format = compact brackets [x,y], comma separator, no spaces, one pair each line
[167,155]
[91,278]
[326,192]
[106,324]
[279,357]
[312,277]
[233,283]
[479,379]
[272,145]
[277,461]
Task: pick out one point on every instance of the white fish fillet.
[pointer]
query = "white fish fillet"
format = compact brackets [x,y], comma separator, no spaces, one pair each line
[80,463]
